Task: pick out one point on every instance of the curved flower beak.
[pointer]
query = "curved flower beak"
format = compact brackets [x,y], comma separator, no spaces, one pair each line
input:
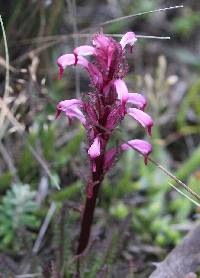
[141,117]
[69,60]
[64,61]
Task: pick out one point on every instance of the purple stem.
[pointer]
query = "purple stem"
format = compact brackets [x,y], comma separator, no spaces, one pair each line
[90,205]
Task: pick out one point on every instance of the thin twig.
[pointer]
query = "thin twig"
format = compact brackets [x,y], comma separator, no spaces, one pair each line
[139,14]
[7,58]
[9,162]
[43,164]
[152,37]
[174,178]
[35,51]
[6,92]
[29,275]
[44,227]
[11,68]
[141,36]
[185,195]
[11,118]
[60,38]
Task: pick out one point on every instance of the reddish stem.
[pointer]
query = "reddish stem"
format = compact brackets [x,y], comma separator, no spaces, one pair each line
[90,205]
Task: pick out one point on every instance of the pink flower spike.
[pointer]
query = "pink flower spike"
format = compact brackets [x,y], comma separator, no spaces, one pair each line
[128,38]
[138,100]
[140,146]
[143,118]
[64,61]
[84,50]
[122,90]
[95,149]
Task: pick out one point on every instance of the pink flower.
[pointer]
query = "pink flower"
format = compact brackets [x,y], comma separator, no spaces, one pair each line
[122,91]
[71,108]
[128,38]
[95,149]
[71,59]
[140,146]
[94,152]
[64,61]
[141,117]
[84,50]
[137,99]
[102,110]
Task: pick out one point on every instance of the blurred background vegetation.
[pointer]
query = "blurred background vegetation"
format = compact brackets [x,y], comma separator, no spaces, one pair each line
[139,218]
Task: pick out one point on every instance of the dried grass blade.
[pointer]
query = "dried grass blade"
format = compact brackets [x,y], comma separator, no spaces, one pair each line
[139,14]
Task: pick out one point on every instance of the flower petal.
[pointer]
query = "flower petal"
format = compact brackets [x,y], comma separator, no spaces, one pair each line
[114,117]
[110,51]
[72,59]
[64,61]
[101,41]
[138,100]
[141,146]
[95,149]
[76,113]
[71,108]
[84,50]
[128,38]
[143,118]
[69,60]
[122,90]
[69,103]
[109,158]
[95,75]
